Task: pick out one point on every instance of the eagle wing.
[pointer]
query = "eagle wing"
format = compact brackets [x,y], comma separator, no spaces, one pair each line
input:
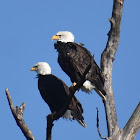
[73,59]
[53,91]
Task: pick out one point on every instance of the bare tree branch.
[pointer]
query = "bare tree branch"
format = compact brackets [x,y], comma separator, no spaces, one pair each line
[107,58]
[49,127]
[56,115]
[107,65]
[133,125]
[98,125]
[18,115]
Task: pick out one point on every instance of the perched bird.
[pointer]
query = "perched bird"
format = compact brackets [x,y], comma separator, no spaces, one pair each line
[55,92]
[73,58]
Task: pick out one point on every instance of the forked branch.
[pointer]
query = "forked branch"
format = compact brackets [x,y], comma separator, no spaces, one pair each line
[107,58]
[18,115]
[133,125]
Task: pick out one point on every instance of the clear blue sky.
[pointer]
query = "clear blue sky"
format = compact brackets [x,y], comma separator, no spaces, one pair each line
[26,28]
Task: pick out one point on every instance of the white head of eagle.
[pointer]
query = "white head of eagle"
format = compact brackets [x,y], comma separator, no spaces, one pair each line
[42,68]
[64,36]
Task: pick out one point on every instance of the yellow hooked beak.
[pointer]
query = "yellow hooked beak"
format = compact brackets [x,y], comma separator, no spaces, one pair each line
[55,37]
[32,69]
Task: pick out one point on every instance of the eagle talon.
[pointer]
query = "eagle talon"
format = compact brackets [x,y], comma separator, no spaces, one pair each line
[74,84]
[72,87]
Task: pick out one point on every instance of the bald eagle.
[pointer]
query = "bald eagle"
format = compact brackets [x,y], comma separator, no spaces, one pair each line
[55,92]
[73,58]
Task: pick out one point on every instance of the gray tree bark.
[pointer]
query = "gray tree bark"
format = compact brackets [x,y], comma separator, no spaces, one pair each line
[131,128]
[18,115]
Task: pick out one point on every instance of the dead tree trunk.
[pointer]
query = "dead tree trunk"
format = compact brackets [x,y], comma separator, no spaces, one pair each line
[107,58]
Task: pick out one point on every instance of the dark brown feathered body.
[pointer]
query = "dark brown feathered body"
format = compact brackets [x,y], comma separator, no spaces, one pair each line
[55,92]
[73,58]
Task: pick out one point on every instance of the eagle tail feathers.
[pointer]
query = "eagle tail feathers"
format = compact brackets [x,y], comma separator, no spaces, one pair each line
[79,119]
[81,122]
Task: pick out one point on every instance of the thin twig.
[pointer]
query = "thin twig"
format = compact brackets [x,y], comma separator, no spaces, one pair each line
[18,115]
[98,125]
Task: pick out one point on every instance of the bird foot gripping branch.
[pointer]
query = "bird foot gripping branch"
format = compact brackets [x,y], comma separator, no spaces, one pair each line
[73,86]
